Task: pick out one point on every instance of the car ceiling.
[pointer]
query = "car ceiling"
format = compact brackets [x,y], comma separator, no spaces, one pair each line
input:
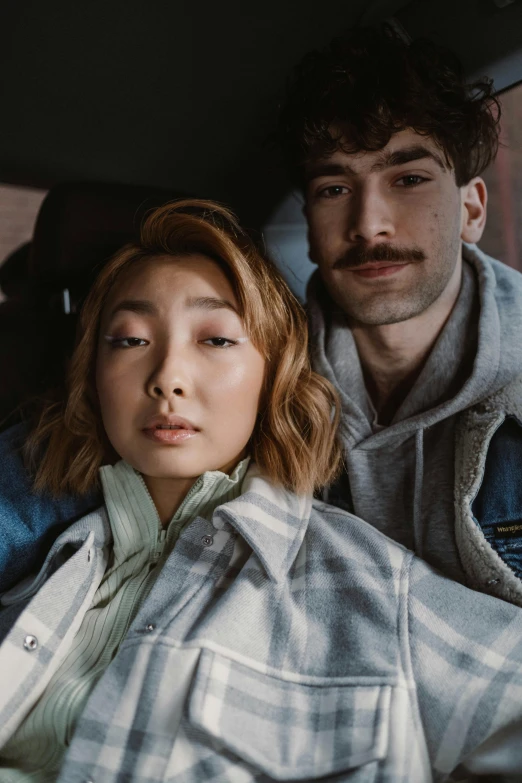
[183,95]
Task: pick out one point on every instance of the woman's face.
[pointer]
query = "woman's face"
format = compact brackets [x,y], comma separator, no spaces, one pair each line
[178,379]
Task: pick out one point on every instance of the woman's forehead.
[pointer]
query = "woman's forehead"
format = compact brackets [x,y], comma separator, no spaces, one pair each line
[165,280]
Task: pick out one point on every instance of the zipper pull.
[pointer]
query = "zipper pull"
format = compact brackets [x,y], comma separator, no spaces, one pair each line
[162,535]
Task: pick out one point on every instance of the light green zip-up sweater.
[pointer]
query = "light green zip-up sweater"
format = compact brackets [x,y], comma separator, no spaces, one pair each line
[35,751]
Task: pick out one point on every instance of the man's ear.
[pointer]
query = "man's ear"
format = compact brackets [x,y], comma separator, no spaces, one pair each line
[474,202]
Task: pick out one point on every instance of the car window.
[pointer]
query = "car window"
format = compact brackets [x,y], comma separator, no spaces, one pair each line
[18,210]
[503,234]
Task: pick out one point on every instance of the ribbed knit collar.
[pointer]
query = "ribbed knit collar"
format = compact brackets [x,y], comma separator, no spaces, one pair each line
[133,517]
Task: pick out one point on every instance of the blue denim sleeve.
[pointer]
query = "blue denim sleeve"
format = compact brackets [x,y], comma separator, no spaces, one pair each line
[29,521]
[498,505]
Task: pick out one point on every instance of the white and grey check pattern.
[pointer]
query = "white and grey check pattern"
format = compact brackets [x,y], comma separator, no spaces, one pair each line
[283,640]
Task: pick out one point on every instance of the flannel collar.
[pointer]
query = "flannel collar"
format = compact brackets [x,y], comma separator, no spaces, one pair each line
[272,520]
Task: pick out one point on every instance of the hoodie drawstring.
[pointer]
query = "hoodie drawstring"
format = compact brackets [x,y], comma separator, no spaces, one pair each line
[417,492]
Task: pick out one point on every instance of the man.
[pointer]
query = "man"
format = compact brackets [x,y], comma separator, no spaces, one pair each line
[418,329]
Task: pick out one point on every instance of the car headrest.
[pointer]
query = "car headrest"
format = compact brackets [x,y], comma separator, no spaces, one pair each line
[79,227]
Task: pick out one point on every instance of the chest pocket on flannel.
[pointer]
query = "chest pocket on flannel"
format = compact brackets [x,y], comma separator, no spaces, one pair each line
[287,730]
[498,505]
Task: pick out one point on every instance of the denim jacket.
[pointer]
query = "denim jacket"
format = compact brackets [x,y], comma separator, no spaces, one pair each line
[284,639]
[29,521]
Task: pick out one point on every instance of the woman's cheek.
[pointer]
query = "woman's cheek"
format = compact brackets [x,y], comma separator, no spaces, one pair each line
[240,382]
[244,389]
[113,384]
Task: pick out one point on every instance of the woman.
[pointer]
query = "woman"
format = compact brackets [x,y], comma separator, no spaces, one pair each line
[212,620]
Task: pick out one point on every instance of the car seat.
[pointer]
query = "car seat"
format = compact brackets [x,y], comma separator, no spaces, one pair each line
[77,230]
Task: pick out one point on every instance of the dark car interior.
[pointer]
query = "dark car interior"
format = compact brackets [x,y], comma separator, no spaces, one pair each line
[115,108]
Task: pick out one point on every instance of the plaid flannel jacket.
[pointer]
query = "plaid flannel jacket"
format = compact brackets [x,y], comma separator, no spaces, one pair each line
[283,640]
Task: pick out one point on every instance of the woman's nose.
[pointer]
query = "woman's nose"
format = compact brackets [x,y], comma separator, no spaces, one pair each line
[170,377]
[158,391]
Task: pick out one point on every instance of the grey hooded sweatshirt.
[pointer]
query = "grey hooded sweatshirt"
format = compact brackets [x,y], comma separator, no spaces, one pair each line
[400,478]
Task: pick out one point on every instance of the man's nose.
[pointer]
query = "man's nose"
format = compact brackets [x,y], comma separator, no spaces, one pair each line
[370,218]
[170,376]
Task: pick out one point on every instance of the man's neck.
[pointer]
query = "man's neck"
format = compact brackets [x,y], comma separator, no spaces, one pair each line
[392,356]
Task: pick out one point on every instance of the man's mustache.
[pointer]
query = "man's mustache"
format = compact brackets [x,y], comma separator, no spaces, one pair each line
[359,255]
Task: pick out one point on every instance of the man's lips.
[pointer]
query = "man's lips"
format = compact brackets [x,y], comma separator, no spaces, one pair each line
[371,259]
[381,269]
[170,429]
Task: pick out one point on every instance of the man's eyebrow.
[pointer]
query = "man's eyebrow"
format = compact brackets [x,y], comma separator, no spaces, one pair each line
[211,303]
[326,169]
[139,306]
[407,155]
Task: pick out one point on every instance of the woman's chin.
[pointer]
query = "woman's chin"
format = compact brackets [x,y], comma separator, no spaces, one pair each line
[170,466]
[189,459]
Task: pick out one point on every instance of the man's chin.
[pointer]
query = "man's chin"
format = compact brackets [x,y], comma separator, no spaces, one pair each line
[381,305]
[380,314]
[379,320]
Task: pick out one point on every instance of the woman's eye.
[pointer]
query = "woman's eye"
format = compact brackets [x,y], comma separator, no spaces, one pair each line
[126,342]
[333,191]
[219,342]
[410,180]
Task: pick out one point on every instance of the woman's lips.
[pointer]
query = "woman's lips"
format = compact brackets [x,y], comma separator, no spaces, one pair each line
[169,437]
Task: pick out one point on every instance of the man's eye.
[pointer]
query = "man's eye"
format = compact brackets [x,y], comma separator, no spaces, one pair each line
[125,342]
[410,180]
[333,191]
[219,342]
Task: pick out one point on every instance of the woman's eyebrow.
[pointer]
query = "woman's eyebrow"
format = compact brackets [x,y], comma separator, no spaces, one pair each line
[211,303]
[146,307]
[139,306]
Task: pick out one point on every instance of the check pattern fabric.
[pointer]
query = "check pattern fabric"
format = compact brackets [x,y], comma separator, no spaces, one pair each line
[284,639]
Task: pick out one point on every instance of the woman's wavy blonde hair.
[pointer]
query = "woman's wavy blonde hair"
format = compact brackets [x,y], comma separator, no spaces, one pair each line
[294,441]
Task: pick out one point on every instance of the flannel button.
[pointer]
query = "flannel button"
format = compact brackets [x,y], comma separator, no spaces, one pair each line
[207,540]
[30,642]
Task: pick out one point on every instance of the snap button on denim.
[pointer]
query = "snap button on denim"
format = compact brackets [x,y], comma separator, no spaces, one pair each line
[150,627]
[30,642]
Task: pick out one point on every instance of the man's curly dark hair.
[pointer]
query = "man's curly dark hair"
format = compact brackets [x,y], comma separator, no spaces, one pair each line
[370,84]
